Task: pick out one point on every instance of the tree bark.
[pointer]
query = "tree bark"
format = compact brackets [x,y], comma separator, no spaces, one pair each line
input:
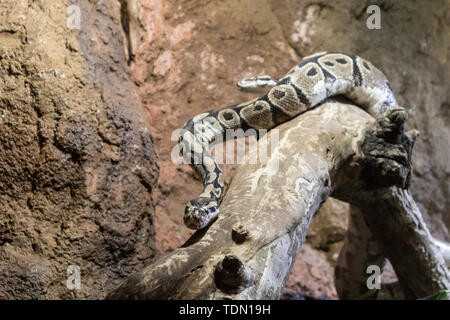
[248,251]
[360,250]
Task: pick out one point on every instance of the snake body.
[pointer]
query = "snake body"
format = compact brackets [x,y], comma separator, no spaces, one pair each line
[314,79]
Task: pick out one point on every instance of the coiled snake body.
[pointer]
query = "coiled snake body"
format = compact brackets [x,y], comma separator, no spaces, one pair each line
[314,79]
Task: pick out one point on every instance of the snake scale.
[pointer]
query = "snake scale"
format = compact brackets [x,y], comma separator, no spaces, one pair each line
[316,78]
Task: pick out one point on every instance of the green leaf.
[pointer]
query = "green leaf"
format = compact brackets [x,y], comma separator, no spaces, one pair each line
[443,295]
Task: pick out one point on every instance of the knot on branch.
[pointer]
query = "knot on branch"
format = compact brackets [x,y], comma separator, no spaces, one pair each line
[239,233]
[388,150]
[231,276]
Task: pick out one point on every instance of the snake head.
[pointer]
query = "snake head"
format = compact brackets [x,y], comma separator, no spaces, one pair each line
[199,212]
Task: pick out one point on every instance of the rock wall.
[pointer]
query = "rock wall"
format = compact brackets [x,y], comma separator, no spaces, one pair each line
[77,161]
[188,55]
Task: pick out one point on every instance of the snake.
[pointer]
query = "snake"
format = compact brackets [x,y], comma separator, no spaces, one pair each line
[309,83]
